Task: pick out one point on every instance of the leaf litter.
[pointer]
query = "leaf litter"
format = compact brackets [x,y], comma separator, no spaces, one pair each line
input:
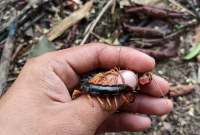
[157,28]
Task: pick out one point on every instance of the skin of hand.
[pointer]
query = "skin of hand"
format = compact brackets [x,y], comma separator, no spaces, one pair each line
[39,101]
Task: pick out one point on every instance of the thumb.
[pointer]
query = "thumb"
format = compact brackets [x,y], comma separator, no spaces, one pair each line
[93,116]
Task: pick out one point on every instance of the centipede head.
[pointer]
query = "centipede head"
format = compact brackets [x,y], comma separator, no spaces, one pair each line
[146,78]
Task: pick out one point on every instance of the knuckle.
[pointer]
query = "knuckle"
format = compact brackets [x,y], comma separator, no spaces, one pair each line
[31,61]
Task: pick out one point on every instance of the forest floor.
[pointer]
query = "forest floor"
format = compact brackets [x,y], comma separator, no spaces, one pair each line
[163,33]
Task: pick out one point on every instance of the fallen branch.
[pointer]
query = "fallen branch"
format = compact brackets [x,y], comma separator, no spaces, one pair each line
[194,9]
[69,21]
[23,16]
[96,21]
[180,6]
[158,39]
[6,56]
[153,11]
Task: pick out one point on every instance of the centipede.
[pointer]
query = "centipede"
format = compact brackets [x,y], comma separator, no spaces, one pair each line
[99,86]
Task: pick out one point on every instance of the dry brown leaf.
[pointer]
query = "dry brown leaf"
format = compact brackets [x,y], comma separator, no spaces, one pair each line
[157,12]
[197,36]
[170,50]
[143,31]
[181,90]
[69,21]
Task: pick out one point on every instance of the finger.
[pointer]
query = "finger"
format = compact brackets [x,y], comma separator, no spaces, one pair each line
[91,117]
[96,115]
[153,89]
[105,56]
[149,105]
[82,59]
[124,122]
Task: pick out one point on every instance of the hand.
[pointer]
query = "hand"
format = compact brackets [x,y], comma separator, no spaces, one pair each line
[39,101]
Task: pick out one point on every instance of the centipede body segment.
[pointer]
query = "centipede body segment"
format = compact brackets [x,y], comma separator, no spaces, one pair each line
[105,90]
[99,86]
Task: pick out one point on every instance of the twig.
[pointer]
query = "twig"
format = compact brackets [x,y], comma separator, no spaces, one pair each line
[24,15]
[97,20]
[198,74]
[34,21]
[6,56]
[1,16]
[61,8]
[180,6]
[10,1]
[131,3]
[157,39]
[12,79]
[99,37]
[69,21]
[194,9]
[16,52]
[113,7]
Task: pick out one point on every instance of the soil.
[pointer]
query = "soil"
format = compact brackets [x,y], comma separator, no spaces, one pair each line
[178,122]
[185,116]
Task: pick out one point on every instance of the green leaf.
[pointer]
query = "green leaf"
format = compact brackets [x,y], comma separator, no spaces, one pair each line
[193,53]
[179,26]
[42,46]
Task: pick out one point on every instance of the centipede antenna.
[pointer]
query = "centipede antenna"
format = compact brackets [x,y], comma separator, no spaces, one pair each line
[119,73]
[160,90]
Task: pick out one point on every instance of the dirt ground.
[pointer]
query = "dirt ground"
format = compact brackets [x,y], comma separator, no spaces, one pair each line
[178,122]
[184,119]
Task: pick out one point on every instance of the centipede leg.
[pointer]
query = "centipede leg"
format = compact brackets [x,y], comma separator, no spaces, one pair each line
[75,93]
[103,81]
[90,99]
[115,101]
[126,100]
[108,101]
[118,71]
[133,99]
[116,80]
[112,71]
[97,78]
[138,87]
[108,83]
[101,102]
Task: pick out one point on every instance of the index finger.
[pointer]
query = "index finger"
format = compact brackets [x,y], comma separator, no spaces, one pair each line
[83,59]
[95,55]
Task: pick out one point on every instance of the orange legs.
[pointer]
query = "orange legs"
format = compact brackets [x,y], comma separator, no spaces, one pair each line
[97,78]
[109,104]
[88,95]
[101,102]
[102,77]
[76,93]
[125,99]
[115,101]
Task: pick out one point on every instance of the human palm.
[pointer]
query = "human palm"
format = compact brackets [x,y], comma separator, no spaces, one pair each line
[39,101]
